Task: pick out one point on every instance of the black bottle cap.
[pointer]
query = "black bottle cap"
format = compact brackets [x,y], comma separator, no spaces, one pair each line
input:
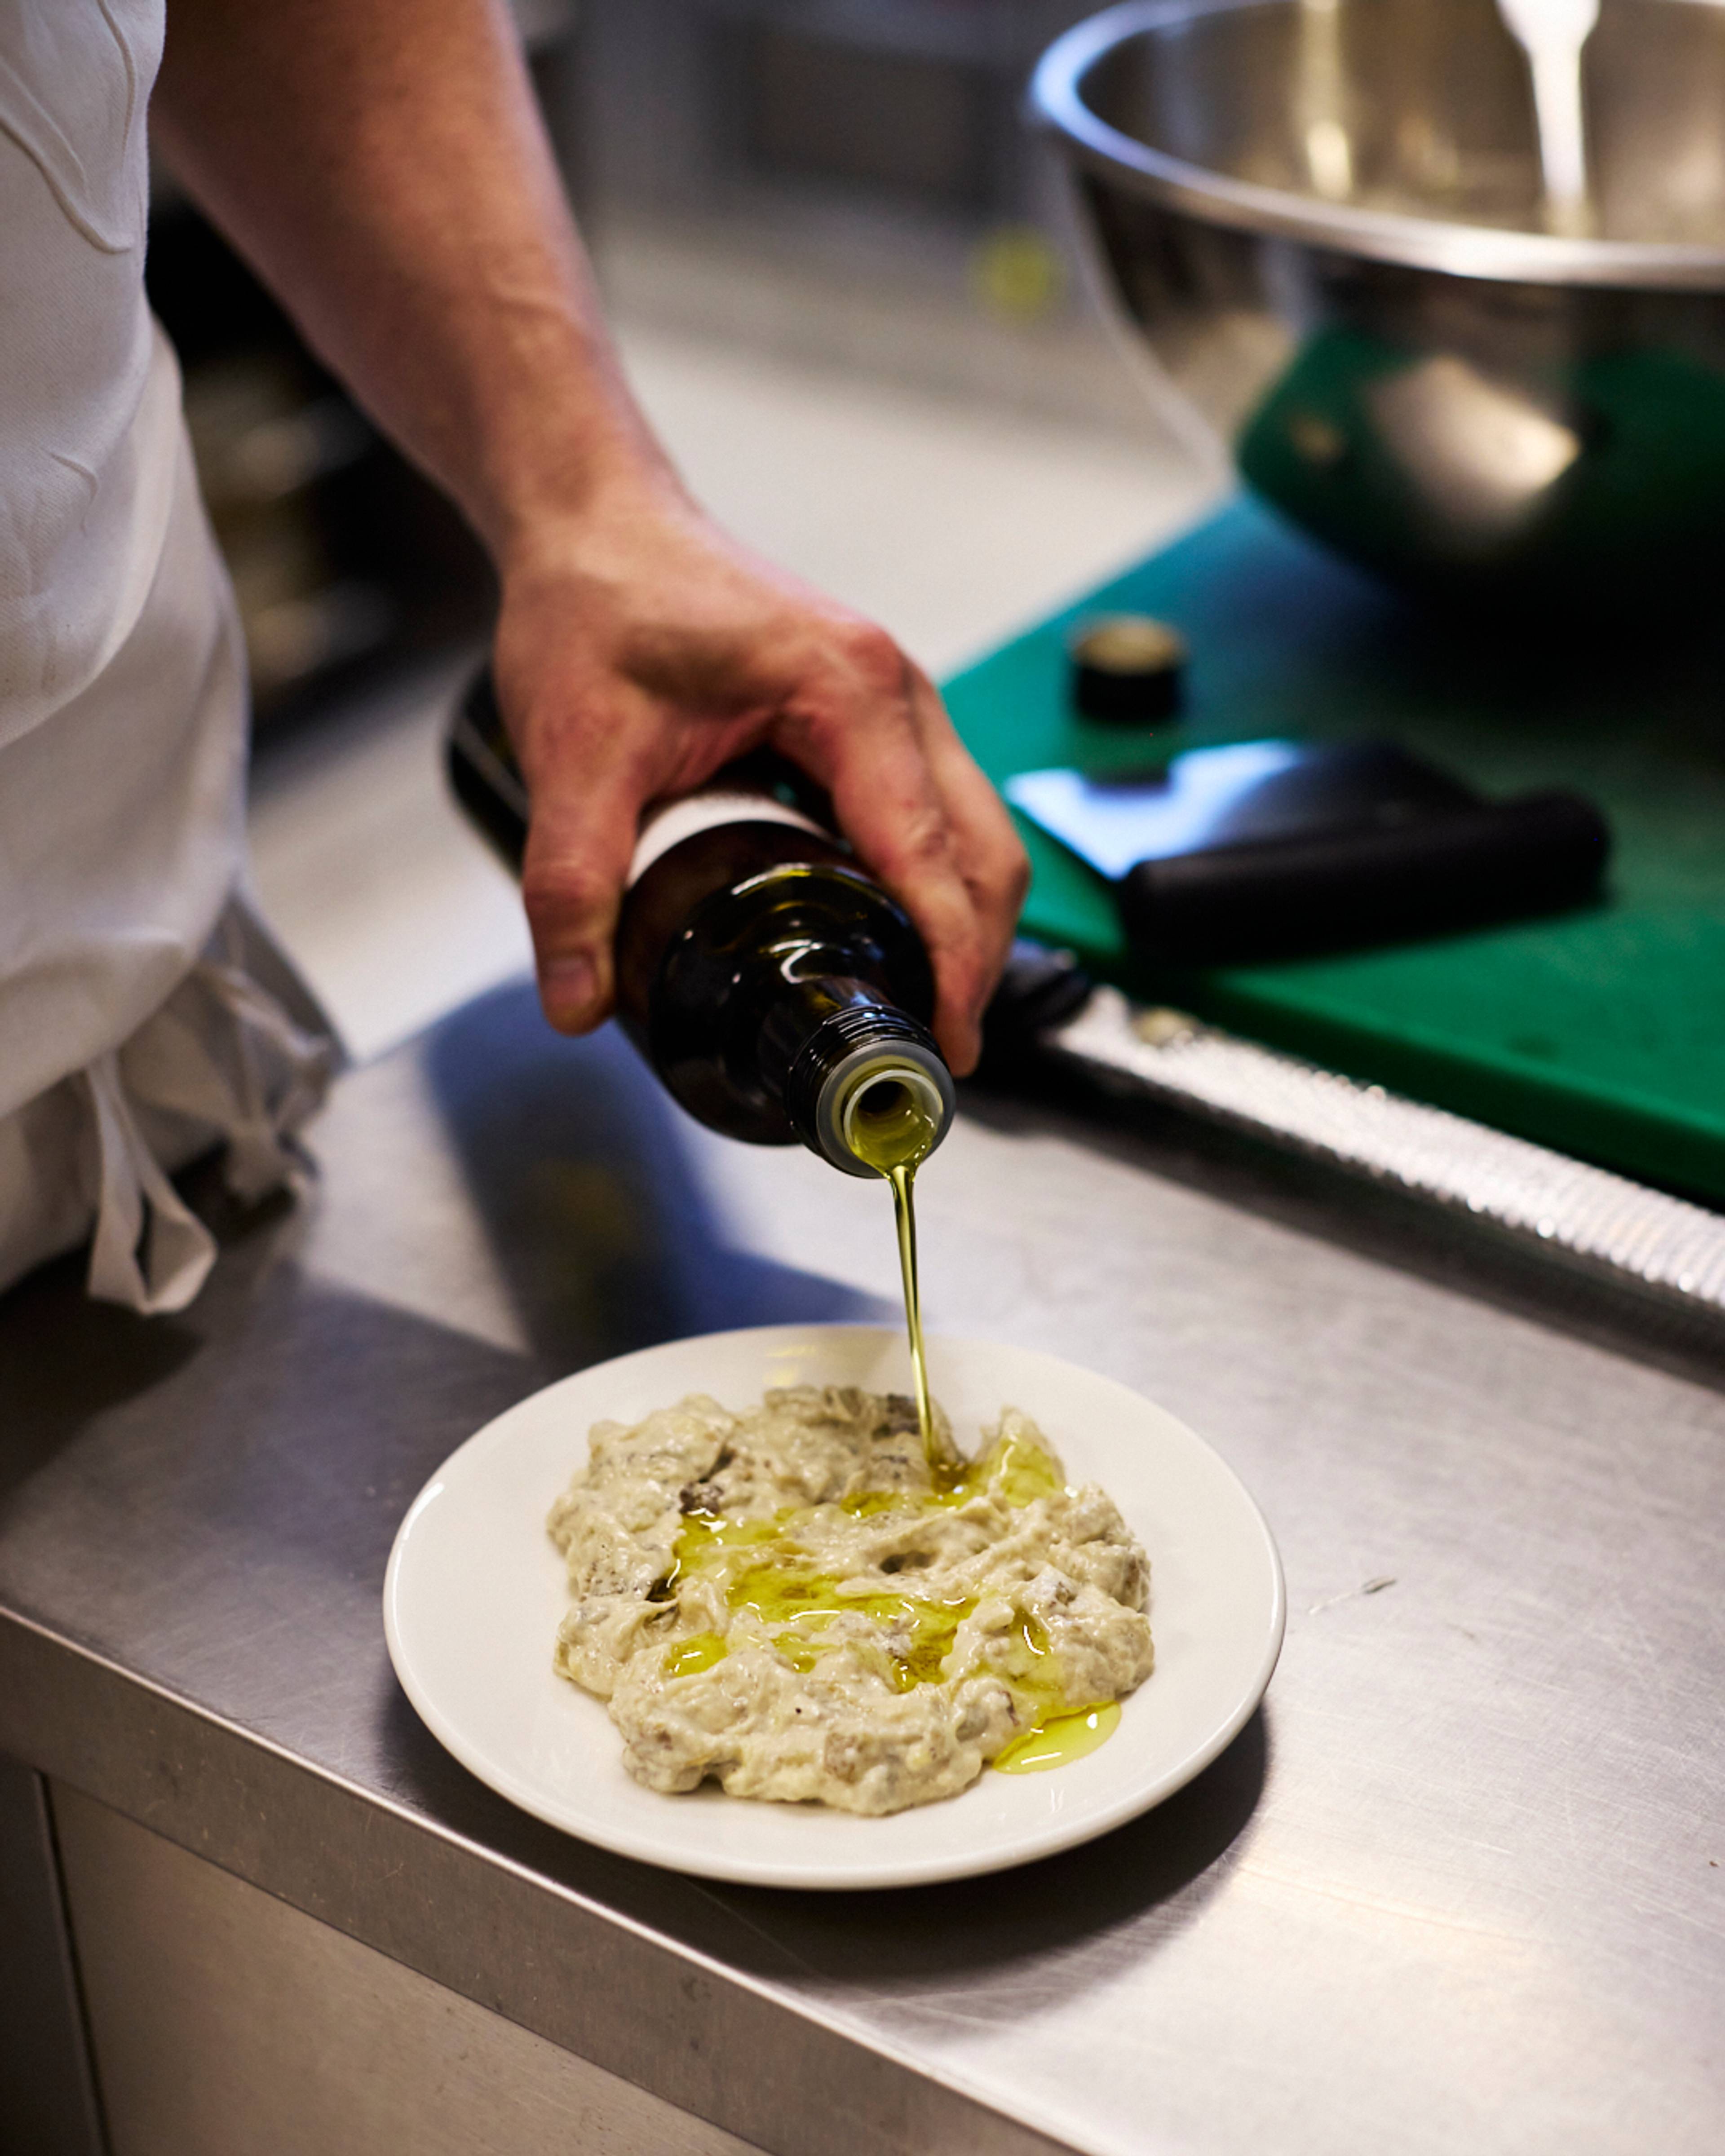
[1127,668]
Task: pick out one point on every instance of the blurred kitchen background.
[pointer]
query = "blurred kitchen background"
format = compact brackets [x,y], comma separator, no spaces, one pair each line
[846,284]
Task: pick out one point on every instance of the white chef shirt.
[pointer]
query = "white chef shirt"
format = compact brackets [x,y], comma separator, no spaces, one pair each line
[143,1015]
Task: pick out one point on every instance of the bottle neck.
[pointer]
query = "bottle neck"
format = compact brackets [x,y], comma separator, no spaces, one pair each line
[864,1086]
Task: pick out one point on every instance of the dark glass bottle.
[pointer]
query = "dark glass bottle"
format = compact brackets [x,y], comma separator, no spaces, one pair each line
[777,990]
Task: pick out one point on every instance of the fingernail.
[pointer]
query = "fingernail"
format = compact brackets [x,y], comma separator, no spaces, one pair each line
[567,987]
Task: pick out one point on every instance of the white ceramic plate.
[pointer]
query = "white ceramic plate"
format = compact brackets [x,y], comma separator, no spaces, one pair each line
[474,1592]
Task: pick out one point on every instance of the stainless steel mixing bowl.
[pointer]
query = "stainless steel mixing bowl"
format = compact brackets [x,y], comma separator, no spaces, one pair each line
[1325,216]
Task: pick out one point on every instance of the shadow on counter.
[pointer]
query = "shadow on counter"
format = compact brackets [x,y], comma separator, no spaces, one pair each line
[577,1165]
[1171,1860]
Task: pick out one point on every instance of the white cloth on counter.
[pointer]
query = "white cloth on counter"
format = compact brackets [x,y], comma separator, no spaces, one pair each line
[143,1015]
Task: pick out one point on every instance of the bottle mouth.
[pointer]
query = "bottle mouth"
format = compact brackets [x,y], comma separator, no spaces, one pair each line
[892,1116]
[869,1091]
[884,1104]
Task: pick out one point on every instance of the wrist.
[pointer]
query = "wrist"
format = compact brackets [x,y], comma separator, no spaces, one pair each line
[560,514]
[559,439]
[619,511]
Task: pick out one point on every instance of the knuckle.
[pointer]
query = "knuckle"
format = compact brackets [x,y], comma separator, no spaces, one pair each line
[1014,882]
[561,890]
[873,657]
[925,838]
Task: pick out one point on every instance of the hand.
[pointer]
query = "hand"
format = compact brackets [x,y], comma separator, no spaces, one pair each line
[640,648]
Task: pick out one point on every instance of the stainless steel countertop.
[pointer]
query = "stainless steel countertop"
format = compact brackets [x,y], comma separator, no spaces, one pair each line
[1460,1885]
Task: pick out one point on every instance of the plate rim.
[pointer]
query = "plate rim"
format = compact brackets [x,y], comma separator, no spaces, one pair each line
[1058,1834]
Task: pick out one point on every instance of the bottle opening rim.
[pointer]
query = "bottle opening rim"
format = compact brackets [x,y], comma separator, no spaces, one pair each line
[840,1102]
[910,1078]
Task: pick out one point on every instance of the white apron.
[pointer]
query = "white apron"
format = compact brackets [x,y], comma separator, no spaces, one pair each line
[144,1016]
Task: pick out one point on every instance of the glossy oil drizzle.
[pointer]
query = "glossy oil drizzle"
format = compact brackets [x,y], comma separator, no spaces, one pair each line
[903,1180]
[761,1566]
[892,1130]
[1058,1738]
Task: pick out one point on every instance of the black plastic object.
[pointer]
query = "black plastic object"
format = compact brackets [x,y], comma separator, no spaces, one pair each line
[1316,849]
[1039,990]
[1288,897]
[1128,669]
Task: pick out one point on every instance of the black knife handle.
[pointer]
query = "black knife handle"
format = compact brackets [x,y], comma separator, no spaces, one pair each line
[1279,898]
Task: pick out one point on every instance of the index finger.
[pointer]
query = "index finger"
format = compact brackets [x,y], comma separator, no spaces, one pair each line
[991,856]
[864,738]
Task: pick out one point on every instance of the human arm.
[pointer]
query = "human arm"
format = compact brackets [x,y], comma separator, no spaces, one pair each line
[383,164]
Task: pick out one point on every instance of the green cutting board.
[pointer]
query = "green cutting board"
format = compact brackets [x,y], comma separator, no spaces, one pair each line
[1601,1033]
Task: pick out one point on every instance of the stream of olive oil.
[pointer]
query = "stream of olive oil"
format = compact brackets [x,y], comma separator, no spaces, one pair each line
[903,1179]
[893,1133]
